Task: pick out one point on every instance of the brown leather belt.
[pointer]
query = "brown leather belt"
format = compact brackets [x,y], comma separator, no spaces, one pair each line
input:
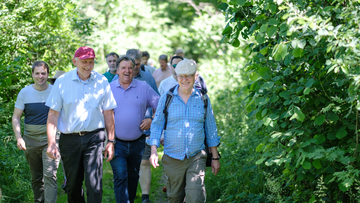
[82,133]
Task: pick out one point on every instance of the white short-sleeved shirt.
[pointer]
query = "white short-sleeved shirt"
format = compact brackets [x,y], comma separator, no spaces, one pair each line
[167,84]
[81,103]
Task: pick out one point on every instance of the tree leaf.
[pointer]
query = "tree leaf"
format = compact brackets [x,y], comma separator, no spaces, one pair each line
[241,2]
[260,147]
[227,30]
[254,76]
[341,133]
[309,83]
[306,165]
[273,21]
[223,6]
[236,43]
[263,28]
[333,116]
[299,115]
[264,72]
[297,52]
[285,94]
[307,91]
[317,164]
[267,85]
[280,52]
[271,31]
[320,120]
[260,38]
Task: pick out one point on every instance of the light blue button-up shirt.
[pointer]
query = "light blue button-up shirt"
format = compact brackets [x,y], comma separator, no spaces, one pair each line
[80,103]
[185,133]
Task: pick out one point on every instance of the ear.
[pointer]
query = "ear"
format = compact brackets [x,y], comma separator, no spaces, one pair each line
[74,61]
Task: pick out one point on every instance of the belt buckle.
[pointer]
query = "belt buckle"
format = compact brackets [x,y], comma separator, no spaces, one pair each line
[82,133]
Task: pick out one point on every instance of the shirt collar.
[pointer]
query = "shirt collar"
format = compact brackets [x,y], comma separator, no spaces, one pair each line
[132,84]
[176,92]
[140,75]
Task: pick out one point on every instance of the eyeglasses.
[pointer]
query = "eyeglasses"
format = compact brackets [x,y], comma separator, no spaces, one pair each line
[174,65]
[185,76]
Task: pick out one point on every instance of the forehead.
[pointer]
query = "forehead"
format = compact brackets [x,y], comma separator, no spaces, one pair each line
[112,57]
[162,61]
[137,61]
[40,69]
[87,60]
[124,63]
[144,57]
[176,61]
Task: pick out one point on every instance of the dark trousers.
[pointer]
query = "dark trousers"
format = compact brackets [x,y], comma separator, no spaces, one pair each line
[126,166]
[83,155]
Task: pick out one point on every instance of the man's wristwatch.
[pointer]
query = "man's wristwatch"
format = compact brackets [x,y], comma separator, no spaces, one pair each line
[112,141]
[216,158]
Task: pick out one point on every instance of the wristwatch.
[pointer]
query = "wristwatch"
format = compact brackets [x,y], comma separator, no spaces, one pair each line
[112,141]
[216,158]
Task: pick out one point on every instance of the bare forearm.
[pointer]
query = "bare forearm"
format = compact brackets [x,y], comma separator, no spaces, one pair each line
[214,152]
[109,124]
[16,127]
[51,126]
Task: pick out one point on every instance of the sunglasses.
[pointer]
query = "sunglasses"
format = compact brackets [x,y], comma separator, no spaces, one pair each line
[174,65]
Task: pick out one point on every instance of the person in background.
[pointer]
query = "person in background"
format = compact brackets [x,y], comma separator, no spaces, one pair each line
[144,61]
[31,101]
[151,62]
[81,106]
[133,98]
[111,59]
[170,81]
[180,52]
[163,72]
[184,158]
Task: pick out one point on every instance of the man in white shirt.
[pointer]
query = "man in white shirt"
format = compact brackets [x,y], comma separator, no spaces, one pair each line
[81,106]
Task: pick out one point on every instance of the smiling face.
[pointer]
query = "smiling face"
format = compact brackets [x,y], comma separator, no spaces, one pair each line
[84,67]
[111,61]
[40,75]
[186,82]
[125,72]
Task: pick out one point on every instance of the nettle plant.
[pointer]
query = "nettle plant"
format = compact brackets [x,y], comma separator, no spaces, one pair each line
[302,87]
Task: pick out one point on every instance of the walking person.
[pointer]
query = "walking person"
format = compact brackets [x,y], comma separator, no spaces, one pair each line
[133,98]
[184,158]
[81,106]
[31,101]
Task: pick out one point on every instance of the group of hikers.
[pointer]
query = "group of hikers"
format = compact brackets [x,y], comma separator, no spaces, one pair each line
[123,116]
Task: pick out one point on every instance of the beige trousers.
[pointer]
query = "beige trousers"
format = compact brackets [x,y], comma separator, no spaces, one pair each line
[186,178]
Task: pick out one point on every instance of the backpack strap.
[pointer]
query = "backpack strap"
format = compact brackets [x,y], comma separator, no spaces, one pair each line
[169,98]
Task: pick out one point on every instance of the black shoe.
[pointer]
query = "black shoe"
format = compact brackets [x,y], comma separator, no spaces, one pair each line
[146,201]
[63,186]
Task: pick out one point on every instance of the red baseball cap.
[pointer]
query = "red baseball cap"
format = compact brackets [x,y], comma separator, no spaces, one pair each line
[85,53]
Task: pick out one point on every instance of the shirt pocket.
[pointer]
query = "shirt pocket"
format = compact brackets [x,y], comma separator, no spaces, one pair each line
[198,113]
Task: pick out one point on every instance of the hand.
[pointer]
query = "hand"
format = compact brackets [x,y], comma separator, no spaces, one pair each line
[145,124]
[215,166]
[162,141]
[109,151]
[53,151]
[154,157]
[20,143]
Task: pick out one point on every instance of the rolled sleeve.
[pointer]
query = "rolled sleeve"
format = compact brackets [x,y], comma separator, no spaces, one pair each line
[54,100]
[212,138]
[157,125]
[109,100]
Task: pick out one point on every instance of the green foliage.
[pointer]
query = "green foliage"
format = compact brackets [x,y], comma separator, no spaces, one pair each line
[302,85]
[31,30]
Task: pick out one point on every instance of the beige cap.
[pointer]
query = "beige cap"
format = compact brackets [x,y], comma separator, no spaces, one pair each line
[185,67]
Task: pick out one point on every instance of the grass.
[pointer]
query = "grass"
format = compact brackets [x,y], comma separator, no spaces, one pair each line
[156,194]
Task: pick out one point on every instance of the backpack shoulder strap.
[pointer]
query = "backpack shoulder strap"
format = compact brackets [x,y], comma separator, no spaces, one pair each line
[204,98]
[169,98]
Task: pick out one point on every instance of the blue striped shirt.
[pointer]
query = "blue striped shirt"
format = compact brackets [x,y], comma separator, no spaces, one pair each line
[184,135]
